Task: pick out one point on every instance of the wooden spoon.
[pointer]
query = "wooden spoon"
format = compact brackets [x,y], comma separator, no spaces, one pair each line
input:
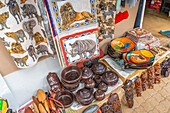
[53,106]
[46,105]
[41,108]
[41,95]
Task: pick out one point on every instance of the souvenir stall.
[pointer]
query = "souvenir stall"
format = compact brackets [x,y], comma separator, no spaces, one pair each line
[75,56]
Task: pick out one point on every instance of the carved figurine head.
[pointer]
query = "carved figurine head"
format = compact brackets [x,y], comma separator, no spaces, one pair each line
[143,76]
[157,68]
[138,81]
[151,69]
[128,83]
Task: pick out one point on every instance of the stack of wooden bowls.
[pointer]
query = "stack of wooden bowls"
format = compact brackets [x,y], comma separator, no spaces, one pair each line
[70,78]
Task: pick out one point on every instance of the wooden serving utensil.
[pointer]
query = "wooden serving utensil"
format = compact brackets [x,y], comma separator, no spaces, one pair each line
[35,104]
[47,107]
[53,106]
[41,108]
[41,95]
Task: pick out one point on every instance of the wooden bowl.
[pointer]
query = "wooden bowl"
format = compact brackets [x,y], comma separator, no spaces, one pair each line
[70,87]
[84,96]
[102,86]
[99,95]
[71,74]
[99,68]
[110,78]
[86,73]
[89,83]
[97,79]
[65,97]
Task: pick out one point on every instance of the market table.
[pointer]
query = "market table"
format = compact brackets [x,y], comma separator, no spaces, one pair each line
[160,57]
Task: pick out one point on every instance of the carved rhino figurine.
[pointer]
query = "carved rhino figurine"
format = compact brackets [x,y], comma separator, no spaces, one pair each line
[81,47]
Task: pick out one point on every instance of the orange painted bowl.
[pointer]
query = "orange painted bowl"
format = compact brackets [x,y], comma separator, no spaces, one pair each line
[140,58]
[119,46]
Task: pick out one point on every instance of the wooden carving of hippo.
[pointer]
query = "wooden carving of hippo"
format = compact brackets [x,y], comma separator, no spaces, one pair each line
[81,47]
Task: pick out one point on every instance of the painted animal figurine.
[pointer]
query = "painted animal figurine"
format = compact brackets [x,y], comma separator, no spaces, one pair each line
[28,27]
[157,73]
[5,42]
[31,52]
[42,49]
[144,82]
[18,35]
[114,100]
[17,48]
[38,38]
[69,15]
[151,77]
[138,85]
[129,92]
[111,13]
[14,10]
[3,18]
[21,61]
[81,47]
[29,10]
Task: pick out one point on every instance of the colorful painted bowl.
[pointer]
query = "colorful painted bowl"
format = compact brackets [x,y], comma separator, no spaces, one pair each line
[138,59]
[119,46]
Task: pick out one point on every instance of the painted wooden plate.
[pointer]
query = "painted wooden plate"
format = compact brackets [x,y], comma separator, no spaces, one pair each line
[122,44]
[138,57]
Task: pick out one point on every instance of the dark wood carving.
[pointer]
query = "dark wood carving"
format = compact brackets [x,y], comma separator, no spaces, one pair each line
[138,85]
[99,95]
[89,83]
[102,86]
[165,68]
[107,108]
[144,82]
[114,100]
[157,73]
[54,82]
[129,92]
[151,77]
[97,80]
